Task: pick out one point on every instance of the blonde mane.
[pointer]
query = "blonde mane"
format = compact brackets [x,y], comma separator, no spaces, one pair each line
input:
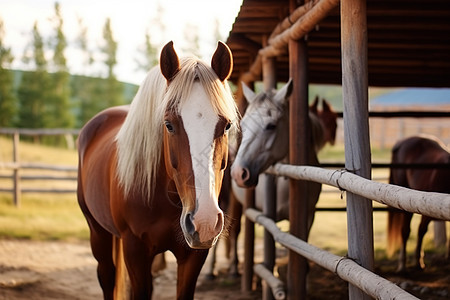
[140,139]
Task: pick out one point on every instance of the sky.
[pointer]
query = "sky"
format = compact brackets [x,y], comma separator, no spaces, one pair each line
[130,19]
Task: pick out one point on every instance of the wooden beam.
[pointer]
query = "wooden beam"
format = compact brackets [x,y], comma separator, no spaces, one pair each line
[299,135]
[292,18]
[356,128]
[300,28]
[249,244]
[270,201]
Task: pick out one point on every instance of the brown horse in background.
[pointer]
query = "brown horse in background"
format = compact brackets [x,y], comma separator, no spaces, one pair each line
[411,151]
[150,174]
[328,124]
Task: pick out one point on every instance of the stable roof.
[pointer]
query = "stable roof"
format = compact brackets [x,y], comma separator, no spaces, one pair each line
[408,42]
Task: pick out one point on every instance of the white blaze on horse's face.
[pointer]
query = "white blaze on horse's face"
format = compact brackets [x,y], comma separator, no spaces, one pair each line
[199,121]
[265,134]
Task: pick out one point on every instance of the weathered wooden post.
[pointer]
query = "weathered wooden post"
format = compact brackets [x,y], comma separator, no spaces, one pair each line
[16,175]
[269,207]
[356,129]
[249,243]
[299,136]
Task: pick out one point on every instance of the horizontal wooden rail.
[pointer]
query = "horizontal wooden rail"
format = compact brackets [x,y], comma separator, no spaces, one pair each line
[42,191]
[19,165]
[392,165]
[347,269]
[436,205]
[17,178]
[40,177]
[405,114]
[276,285]
[39,131]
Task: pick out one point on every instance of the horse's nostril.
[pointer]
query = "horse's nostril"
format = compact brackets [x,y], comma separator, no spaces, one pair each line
[245,174]
[189,224]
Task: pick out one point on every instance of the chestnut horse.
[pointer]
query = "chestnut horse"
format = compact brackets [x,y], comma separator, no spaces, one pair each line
[265,139]
[150,174]
[418,149]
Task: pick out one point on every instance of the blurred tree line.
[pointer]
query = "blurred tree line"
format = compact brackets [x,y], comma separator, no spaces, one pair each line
[48,96]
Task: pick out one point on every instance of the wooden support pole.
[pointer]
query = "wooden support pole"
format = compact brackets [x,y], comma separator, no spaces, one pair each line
[16,175]
[356,129]
[299,135]
[270,211]
[249,244]
[269,204]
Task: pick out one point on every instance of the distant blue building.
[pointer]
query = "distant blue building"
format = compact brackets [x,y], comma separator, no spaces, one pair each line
[413,97]
[386,132]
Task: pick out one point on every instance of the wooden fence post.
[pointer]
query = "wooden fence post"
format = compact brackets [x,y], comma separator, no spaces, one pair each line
[299,136]
[16,175]
[249,243]
[356,128]
[269,204]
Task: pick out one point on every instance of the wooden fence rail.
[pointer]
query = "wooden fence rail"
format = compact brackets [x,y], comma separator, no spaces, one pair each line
[16,165]
[347,269]
[17,189]
[435,205]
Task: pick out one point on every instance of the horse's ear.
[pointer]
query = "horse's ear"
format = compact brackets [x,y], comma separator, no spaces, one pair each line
[326,106]
[283,94]
[169,63]
[313,106]
[222,61]
[248,93]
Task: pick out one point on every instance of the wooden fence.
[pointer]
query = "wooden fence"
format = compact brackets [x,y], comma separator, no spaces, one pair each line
[16,165]
[432,204]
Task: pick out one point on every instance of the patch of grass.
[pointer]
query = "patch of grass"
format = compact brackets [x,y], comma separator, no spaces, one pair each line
[42,217]
[336,153]
[37,153]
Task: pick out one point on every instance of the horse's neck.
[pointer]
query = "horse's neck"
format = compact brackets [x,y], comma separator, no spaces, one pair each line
[317,139]
[317,133]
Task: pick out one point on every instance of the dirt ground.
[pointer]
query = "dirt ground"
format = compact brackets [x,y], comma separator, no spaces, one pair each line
[61,270]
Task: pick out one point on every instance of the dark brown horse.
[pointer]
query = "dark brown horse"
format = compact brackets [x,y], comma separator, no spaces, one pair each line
[150,174]
[410,151]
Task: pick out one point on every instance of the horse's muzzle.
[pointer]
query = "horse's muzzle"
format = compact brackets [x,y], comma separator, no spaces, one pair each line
[243,176]
[200,235]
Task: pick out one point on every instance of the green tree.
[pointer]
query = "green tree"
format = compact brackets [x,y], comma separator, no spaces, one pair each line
[34,86]
[7,97]
[113,89]
[149,54]
[86,91]
[58,104]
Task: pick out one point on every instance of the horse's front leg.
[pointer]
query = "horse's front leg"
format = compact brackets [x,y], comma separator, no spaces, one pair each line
[211,262]
[190,263]
[406,230]
[138,260]
[423,227]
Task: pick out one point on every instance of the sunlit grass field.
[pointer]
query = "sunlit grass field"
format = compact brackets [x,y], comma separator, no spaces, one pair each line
[58,217]
[40,216]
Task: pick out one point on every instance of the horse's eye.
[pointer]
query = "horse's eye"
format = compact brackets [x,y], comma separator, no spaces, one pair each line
[271,126]
[228,127]
[169,127]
